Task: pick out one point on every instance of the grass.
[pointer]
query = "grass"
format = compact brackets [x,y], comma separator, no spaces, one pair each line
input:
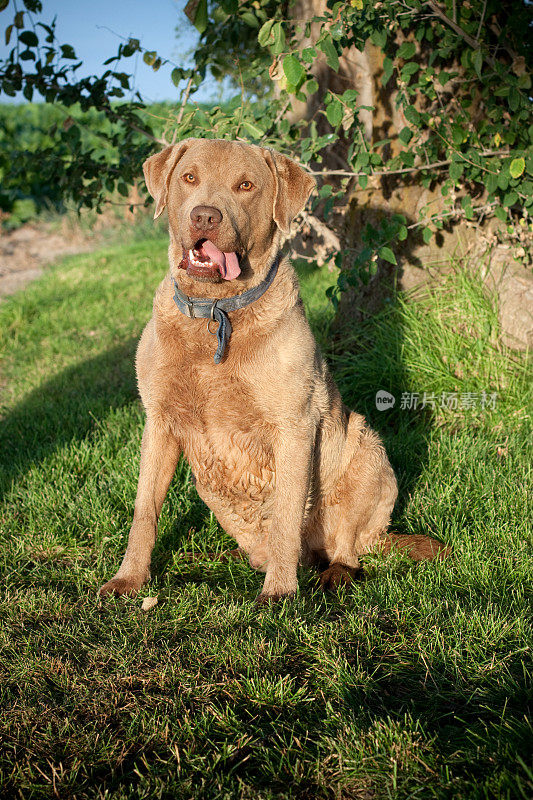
[411,684]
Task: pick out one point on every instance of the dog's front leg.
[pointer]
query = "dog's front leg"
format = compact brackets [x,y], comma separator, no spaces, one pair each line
[160,451]
[293,458]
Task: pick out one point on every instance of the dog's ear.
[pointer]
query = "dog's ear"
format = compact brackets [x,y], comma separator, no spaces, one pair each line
[158,170]
[292,187]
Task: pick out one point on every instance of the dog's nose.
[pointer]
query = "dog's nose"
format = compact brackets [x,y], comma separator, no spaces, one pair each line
[205,218]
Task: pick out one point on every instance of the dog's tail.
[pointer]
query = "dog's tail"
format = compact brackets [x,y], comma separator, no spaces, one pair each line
[417,547]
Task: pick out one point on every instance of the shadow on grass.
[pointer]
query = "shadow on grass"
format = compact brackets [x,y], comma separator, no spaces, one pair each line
[250,735]
[65,409]
[366,358]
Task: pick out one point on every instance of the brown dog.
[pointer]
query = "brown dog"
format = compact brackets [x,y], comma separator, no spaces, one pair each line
[287,469]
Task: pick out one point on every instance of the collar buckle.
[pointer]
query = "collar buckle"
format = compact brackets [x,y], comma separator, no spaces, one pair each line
[189,306]
[212,318]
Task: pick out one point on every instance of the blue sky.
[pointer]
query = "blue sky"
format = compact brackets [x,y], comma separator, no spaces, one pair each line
[93,28]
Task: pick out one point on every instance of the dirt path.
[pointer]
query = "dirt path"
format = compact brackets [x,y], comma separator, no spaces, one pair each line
[25,251]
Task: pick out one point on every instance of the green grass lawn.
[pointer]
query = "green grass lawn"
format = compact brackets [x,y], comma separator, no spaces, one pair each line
[411,684]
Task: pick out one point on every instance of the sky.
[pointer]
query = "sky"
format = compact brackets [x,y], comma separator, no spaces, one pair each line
[93,28]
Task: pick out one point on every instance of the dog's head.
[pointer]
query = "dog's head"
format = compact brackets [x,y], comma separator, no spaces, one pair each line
[225,201]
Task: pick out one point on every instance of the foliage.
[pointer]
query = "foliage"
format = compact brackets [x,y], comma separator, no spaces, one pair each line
[40,149]
[459,74]
[458,71]
[77,166]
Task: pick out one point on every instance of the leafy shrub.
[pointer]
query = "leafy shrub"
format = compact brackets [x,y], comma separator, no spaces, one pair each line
[456,71]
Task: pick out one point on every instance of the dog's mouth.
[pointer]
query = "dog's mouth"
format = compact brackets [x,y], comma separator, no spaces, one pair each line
[206,262]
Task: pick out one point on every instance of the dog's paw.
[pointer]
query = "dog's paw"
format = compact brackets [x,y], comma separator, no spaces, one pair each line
[338,575]
[121,586]
[265,599]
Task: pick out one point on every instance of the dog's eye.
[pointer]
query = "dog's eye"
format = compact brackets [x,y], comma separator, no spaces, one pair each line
[189,178]
[245,186]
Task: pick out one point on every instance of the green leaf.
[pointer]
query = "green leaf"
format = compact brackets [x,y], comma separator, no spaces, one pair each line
[350,96]
[388,68]
[517,167]
[500,213]
[524,81]
[252,129]
[311,86]
[510,198]
[250,19]
[412,115]
[459,134]
[387,255]
[491,183]
[279,38]
[200,17]
[334,112]
[8,33]
[427,233]
[456,170]
[379,38]
[407,50]
[362,159]
[309,54]
[503,181]
[265,34]
[363,180]
[29,38]
[514,98]
[330,51]
[123,79]
[176,75]
[149,57]
[409,69]
[466,204]
[405,135]
[67,51]
[293,70]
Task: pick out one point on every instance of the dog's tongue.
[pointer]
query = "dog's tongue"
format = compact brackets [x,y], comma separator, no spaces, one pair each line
[228,262]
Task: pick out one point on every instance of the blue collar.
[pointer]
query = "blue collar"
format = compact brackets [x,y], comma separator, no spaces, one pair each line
[217,310]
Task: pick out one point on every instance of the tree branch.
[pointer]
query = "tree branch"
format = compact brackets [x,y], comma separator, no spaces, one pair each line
[184,100]
[458,30]
[435,165]
[149,136]
[482,20]
[330,239]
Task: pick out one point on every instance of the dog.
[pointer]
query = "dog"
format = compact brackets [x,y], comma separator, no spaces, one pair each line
[290,473]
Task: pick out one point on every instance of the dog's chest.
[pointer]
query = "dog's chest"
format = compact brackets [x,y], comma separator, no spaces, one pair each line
[226,437]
